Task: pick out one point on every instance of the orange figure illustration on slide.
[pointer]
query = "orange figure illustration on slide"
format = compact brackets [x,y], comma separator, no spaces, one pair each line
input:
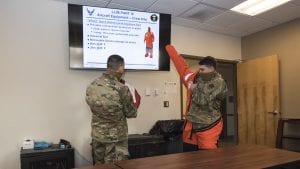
[149,39]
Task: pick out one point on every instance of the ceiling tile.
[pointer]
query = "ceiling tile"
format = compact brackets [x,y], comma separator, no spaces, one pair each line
[296,2]
[118,6]
[226,4]
[236,33]
[185,22]
[224,31]
[140,4]
[170,7]
[261,28]
[282,13]
[199,0]
[196,25]
[202,13]
[100,3]
[226,19]
[251,25]
[212,28]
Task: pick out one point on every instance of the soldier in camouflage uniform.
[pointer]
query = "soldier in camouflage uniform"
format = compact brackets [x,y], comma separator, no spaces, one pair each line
[111,103]
[205,89]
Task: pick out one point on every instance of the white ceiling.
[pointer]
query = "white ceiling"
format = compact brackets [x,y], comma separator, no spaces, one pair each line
[210,15]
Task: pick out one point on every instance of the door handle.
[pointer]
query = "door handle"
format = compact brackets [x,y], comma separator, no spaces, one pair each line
[275,112]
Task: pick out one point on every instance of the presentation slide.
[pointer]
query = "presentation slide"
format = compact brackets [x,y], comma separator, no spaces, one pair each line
[130,34]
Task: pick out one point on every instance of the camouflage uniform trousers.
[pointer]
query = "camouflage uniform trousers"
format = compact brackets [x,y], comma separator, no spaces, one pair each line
[109,152]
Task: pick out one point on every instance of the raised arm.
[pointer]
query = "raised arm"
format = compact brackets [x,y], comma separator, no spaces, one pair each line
[180,64]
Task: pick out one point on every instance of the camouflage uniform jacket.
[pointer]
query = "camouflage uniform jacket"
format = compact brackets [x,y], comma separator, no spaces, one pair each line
[111,103]
[204,110]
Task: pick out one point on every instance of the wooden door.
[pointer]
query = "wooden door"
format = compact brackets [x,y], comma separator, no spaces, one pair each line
[258,100]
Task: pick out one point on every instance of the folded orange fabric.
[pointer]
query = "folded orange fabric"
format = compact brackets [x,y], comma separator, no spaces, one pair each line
[204,139]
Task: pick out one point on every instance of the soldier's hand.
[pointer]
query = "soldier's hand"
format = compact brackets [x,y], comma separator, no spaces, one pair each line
[191,85]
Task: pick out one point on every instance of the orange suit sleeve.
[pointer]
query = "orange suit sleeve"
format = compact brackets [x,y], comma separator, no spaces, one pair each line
[180,64]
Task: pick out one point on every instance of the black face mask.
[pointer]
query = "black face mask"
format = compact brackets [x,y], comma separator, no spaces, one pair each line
[207,76]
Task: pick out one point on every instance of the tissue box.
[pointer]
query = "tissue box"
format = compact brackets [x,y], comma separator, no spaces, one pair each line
[28,144]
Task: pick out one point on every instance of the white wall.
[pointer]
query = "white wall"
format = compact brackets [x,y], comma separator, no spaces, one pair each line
[203,43]
[43,99]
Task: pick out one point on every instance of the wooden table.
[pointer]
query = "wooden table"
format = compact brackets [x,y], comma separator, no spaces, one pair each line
[235,157]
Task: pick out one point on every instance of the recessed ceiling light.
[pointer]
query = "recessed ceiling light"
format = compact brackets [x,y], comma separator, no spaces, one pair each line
[254,7]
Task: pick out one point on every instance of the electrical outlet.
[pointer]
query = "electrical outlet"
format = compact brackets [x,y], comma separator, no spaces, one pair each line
[156,92]
[148,91]
[166,103]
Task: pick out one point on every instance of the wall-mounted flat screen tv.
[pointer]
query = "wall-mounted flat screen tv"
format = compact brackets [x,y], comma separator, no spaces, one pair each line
[139,37]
